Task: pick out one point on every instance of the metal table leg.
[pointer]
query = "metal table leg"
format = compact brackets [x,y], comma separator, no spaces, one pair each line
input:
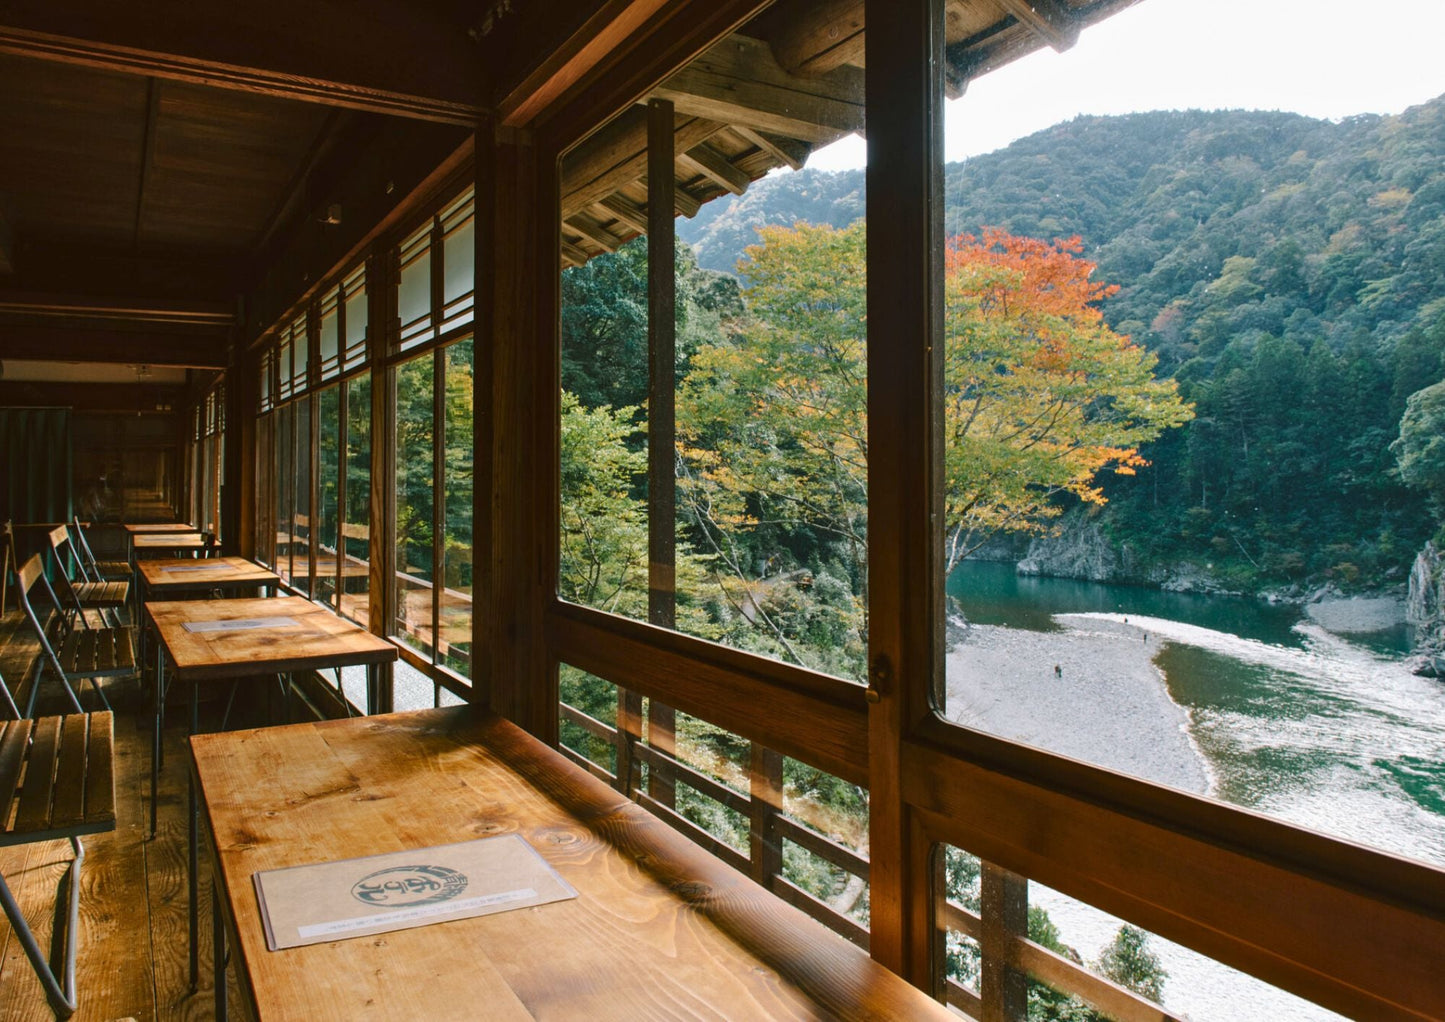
[156,728]
[218,949]
[195,817]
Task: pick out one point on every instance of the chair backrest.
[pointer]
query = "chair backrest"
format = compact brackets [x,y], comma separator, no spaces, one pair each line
[10,562]
[32,572]
[59,541]
[82,547]
[65,551]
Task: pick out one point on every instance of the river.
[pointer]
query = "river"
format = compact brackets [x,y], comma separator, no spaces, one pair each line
[1329,733]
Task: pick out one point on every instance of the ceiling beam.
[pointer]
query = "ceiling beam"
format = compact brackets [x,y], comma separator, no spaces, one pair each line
[599,236]
[625,212]
[613,159]
[129,396]
[147,156]
[58,343]
[707,161]
[15,304]
[7,245]
[293,196]
[791,152]
[739,82]
[374,55]
[824,36]
[1048,19]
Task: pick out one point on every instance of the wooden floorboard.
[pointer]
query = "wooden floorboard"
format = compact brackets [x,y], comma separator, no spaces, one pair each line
[132,956]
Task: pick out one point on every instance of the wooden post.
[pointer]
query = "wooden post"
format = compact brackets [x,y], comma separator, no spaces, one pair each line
[765,850]
[1004,909]
[381,328]
[661,417]
[905,465]
[629,733]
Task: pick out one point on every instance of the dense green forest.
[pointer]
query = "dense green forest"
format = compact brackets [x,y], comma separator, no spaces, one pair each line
[1206,329]
[1288,273]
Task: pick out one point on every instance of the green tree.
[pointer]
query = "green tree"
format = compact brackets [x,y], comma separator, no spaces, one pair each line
[1420,449]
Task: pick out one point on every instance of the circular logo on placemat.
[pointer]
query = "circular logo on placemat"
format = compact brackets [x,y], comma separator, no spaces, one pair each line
[400,886]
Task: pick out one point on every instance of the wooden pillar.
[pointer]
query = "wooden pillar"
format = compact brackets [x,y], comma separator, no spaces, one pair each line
[238,466]
[905,334]
[381,328]
[484,593]
[520,282]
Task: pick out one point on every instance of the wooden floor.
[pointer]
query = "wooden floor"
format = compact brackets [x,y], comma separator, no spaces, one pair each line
[132,957]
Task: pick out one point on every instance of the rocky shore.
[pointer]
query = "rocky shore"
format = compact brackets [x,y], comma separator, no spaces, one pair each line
[1106,703]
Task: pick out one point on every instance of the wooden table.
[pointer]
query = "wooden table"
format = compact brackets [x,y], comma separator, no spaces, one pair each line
[660,929]
[170,543]
[136,528]
[308,638]
[168,576]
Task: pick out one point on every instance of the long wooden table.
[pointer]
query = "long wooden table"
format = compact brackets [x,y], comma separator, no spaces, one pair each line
[207,641]
[660,929]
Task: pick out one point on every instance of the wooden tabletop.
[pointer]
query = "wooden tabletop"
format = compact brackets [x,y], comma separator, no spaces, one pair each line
[168,541]
[159,527]
[660,929]
[318,639]
[169,574]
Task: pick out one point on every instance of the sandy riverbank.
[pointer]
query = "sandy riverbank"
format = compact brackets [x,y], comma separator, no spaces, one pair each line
[1108,705]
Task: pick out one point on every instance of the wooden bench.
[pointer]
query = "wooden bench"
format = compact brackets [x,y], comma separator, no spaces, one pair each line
[56,781]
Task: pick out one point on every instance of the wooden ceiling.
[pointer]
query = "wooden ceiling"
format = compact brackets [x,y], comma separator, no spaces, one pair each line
[144,164]
[789,82]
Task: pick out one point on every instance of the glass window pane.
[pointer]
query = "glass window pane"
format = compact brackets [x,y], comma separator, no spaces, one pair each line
[459,251]
[415,431]
[355,546]
[455,651]
[282,466]
[299,355]
[328,423]
[356,320]
[327,341]
[265,528]
[302,529]
[414,296]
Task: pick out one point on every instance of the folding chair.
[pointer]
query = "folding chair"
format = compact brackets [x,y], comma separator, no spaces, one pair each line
[104,571]
[83,654]
[68,791]
[87,593]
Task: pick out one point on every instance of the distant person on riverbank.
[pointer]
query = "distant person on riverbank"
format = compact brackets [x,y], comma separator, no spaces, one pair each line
[1058,671]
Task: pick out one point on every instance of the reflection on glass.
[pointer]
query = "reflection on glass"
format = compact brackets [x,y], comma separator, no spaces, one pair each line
[284,457]
[456,597]
[414,503]
[327,341]
[355,546]
[301,531]
[328,425]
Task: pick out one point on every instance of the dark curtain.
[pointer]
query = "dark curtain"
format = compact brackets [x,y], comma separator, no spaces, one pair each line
[35,465]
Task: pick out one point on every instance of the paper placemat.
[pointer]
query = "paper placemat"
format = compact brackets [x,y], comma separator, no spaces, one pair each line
[348,898]
[240,624]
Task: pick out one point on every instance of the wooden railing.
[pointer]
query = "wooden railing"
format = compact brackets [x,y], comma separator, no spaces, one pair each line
[1009,959]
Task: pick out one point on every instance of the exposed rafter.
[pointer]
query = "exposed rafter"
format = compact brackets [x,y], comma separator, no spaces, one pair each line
[147,157]
[826,35]
[789,153]
[1049,19]
[332,52]
[739,82]
[618,156]
[707,161]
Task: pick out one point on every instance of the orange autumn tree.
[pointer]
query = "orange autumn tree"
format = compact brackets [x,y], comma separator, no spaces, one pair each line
[1040,395]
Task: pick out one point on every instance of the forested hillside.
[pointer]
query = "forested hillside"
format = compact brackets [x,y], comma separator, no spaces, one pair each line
[1288,273]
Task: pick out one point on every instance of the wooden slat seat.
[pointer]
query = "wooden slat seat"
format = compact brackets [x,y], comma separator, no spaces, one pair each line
[97,652]
[102,571]
[101,595]
[56,777]
[57,780]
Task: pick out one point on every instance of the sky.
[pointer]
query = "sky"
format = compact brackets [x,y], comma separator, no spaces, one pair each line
[1324,58]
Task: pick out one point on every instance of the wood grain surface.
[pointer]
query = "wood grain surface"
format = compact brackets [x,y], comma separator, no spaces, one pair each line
[660,929]
[167,541]
[318,640]
[161,527]
[160,576]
